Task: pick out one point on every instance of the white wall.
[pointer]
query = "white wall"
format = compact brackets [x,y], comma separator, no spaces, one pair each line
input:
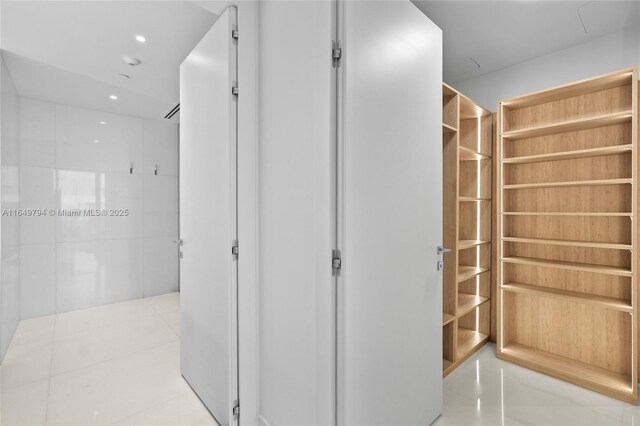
[599,56]
[10,199]
[69,160]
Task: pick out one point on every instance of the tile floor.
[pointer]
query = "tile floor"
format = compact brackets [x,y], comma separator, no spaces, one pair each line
[119,364]
[487,391]
[112,364]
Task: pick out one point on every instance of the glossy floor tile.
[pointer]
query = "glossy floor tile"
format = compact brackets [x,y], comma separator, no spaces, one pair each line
[112,364]
[487,391]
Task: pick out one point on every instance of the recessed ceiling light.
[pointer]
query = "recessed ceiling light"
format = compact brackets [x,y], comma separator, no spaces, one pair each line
[103,122]
[113,97]
[140,38]
[96,141]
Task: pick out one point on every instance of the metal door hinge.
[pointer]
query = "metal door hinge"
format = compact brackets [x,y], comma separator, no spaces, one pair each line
[234,250]
[234,89]
[336,262]
[235,34]
[336,53]
[236,409]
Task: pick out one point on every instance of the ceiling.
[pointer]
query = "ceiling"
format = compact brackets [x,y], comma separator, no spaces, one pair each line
[484,36]
[71,51]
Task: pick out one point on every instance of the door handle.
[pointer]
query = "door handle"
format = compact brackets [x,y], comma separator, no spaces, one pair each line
[178,242]
[442,250]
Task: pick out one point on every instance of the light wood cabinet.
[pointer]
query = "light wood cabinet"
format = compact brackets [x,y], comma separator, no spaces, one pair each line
[567,273]
[467,133]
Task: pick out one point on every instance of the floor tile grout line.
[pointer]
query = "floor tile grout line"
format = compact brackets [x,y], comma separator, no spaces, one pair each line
[180,395]
[115,358]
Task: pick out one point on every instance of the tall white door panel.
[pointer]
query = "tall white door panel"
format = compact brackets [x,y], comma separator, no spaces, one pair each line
[208,197]
[390,363]
[296,314]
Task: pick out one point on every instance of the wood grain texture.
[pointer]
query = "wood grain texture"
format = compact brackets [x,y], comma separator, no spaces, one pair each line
[467,193]
[567,289]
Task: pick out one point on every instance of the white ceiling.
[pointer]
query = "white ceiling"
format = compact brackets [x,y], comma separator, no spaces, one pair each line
[71,51]
[496,34]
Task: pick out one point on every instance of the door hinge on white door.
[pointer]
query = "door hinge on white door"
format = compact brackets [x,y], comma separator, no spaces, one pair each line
[234,88]
[236,409]
[234,33]
[336,53]
[234,250]
[336,262]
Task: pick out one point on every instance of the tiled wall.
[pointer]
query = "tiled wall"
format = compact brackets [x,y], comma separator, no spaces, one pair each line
[74,158]
[10,199]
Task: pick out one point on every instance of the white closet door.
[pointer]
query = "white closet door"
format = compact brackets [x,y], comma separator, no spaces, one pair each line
[208,185]
[391,347]
[296,315]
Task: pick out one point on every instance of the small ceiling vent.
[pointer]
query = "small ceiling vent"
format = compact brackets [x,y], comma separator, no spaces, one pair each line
[173,111]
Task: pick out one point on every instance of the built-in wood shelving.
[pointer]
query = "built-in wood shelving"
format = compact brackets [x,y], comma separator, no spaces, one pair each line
[570,155]
[448,129]
[466,244]
[468,302]
[472,199]
[569,126]
[607,302]
[569,243]
[467,272]
[572,266]
[467,133]
[586,375]
[591,214]
[595,182]
[467,154]
[567,283]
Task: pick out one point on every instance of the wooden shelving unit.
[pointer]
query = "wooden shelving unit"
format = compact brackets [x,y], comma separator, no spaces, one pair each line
[567,280]
[467,133]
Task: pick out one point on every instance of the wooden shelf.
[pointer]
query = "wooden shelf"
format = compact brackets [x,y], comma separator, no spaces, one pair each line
[576,88]
[446,364]
[597,182]
[447,318]
[591,214]
[448,129]
[466,154]
[572,296]
[569,126]
[469,341]
[588,314]
[586,244]
[589,376]
[468,302]
[570,155]
[584,267]
[472,199]
[467,272]
[466,244]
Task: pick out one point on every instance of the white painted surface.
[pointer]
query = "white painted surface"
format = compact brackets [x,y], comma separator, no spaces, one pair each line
[76,262]
[10,199]
[599,56]
[499,34]
[390,353]
[71,53]
[295,238]
[208,218]
[112,364]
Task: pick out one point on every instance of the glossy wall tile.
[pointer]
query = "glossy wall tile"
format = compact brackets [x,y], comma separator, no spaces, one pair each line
[9,199]
[76,160]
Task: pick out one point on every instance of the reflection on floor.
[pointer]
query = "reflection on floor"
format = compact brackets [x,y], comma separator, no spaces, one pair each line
[487,391]
[113,364]
[119,364]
